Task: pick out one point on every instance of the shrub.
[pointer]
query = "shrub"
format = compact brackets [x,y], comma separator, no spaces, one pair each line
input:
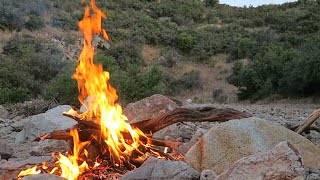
[26,65]
[190,80]
[62,88]
[13,95]
[34,23]
[185,42]
[64,22]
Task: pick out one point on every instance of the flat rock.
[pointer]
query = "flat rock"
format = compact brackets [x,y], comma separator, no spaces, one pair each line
[13,164]
[148,108]
[226,143]
[47,122]
[156,169]
[42,177]
[282,162]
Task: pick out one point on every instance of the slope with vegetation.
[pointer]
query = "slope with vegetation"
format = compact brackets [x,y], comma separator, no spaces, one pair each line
[274,49]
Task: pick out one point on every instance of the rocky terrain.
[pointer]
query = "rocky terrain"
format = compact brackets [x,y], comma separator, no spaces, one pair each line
[260,146]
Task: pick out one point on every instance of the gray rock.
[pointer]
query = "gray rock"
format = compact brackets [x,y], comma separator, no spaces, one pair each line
[4,113]
[313,176]
[47,122]
[5,151]
[155,169]
[283,161]
[5,130]
[230,141]
[208,175]
[49,146]
[42,177]
[13,164]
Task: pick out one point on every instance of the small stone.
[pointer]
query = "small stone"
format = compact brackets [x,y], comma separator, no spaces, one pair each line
[208,175]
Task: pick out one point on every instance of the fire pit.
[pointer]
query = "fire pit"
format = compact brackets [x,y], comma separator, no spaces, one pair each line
[103,142]
[102,138]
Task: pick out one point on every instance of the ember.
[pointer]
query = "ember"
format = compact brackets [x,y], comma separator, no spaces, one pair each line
[102,136]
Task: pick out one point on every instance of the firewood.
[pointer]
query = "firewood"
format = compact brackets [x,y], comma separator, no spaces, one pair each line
[310,120]
[209,114]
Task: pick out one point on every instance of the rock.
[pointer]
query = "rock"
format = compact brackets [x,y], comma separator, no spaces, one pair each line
[42,177]
[5,130]
[230,141]
[49,146]
[195,138]
[282,162]
[155,168]
[5,151]
[313,176]
[13,164]
[148,108]
[208,175]
[4,113]
[47,122]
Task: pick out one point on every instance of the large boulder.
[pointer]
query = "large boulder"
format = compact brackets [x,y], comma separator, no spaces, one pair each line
[282,162]
[148,108]
[230,141]
[155,168]
[47,122]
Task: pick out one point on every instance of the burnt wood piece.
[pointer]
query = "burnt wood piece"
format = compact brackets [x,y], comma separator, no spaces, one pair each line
[209,114]
[86,134]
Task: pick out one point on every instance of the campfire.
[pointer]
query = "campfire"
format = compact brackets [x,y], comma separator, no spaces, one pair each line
[103,143]
[102,137]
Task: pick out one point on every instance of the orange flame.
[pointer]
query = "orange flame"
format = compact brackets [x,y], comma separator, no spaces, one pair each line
[31,171]
[93,83]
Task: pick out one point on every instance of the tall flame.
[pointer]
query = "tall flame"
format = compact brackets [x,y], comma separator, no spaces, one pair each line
[93,84]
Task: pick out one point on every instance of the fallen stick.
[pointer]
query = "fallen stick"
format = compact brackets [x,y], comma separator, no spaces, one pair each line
[310,120]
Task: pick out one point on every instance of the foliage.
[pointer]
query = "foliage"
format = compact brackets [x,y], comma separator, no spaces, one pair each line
[190,80]
[34,23]
[25,66]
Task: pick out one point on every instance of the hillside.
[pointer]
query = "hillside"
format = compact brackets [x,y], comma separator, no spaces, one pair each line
[186,49]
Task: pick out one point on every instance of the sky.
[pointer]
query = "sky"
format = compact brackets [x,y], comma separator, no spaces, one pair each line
[252,2]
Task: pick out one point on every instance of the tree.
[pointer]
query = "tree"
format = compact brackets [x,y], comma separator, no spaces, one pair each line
[211,3]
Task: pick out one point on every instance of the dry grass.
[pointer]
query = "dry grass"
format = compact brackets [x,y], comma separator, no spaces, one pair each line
[4,37]
[150,54]
[213,76]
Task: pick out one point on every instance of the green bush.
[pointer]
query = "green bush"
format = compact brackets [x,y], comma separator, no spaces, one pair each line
[62,88]
[13,95]
[185,42]
[34,23]
[190,81]
[64,22]
[26,65]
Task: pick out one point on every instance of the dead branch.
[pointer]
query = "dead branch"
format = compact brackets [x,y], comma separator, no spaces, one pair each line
[203,114]
[310,120]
